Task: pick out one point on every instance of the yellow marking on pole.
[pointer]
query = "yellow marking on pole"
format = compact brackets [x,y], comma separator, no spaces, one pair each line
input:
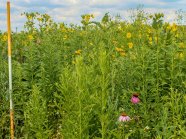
[9,28]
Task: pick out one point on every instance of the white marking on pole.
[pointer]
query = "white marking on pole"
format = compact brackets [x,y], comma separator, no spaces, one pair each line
[10,80]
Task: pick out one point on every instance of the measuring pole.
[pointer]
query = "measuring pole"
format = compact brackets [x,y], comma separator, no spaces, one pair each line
[10,71]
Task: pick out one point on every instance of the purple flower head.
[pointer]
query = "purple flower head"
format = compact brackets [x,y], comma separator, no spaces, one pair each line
[135,99]
[124,118]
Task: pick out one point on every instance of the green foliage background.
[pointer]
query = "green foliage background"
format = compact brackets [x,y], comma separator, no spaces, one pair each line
[73,82]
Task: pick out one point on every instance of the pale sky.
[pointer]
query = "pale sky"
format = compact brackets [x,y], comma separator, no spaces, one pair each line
[70,11]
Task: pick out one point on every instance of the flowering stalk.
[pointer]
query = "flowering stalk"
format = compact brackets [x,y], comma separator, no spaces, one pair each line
[135,99]
[124,118]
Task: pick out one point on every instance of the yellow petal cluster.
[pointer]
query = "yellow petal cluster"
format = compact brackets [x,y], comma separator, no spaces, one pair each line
[130,45]
[129,35]
[78,52]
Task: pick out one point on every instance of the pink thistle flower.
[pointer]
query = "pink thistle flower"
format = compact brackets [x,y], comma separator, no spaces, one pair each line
[135,99]
[124,118]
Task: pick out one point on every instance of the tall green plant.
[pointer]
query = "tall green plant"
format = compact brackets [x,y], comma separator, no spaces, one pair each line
[36,120]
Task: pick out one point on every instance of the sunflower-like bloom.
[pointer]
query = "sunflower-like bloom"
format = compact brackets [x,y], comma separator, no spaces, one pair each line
[129,35]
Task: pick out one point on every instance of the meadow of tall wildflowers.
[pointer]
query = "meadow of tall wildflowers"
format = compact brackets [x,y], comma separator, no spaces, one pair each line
[109,79]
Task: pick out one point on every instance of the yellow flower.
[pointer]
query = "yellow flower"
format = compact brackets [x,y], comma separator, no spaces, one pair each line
[63,30]
[130,45]
[87,18]
[150,39]
[129,35]
[119,49]
[149,31]
[30,37]
[5,38]
[123,54]
[70,30]
[29,17]
[181,55]
[174,27]
[156,39]
[39,19]
[78,52]
[65,37]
